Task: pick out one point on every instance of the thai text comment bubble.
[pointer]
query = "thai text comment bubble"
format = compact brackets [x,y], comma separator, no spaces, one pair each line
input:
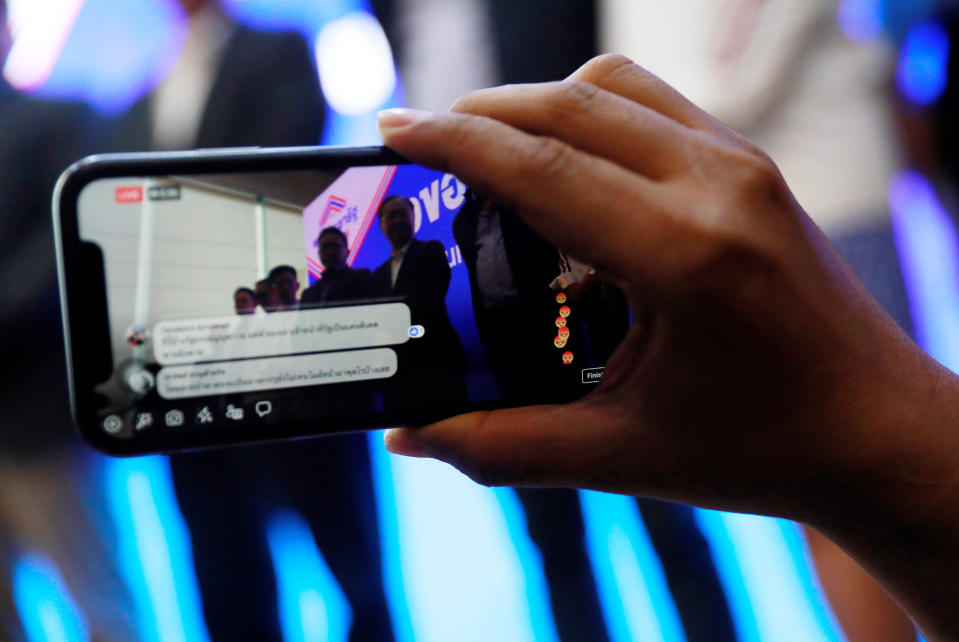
[249,375]
[280,333]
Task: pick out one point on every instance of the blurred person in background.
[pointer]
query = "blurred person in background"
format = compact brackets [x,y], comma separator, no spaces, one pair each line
[244,301]
[340,282]
[783,73]
[479,43]
[266,296]
[231,86]
[287,286]
[49,505]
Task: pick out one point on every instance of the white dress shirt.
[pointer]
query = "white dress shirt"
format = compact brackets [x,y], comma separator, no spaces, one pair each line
[396,262]
[177,104]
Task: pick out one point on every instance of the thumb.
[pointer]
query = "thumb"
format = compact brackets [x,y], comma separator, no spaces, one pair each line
[531,446]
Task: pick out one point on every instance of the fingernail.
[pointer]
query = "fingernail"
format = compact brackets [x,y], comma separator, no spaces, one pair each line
[398,442]
[398,117]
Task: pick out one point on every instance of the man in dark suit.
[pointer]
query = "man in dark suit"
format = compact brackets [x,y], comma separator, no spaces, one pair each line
[510,270]
[49,500]
[340,282]
[430,372]
[262,89]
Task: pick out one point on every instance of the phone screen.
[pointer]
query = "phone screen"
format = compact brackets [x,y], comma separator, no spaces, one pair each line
[259,304]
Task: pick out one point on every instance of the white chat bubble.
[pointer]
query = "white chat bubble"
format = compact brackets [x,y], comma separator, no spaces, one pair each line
[197,380]
[316,330]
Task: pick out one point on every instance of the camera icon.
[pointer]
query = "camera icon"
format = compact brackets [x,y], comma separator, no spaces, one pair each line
[417,331]
[174,418]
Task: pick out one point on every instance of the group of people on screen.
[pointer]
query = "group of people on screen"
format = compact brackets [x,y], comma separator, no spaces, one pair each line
[531,303]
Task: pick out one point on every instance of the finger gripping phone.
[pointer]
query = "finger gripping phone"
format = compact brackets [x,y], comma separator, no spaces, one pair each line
[216,297]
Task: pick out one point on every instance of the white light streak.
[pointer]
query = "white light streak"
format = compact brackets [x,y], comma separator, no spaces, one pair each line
[355,64]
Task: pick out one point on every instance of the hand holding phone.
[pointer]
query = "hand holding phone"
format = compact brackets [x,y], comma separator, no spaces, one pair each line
[215,297]
[759,375]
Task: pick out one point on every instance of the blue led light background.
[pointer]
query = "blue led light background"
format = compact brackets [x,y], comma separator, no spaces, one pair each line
[458,564]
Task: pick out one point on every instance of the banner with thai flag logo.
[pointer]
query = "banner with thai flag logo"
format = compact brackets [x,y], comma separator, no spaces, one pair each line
[349,204]
[351,201]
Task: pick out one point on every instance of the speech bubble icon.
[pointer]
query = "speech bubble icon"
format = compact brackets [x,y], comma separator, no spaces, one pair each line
[560,322]
[567,357]
[564,311]
[561,297]
[263,408]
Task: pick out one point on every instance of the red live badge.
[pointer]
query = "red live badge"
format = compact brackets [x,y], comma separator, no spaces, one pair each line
[130,194]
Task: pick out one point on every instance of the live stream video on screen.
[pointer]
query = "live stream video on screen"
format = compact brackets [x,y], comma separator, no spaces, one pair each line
[309,294]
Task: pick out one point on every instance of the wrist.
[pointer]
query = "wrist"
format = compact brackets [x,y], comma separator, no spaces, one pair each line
[896,502]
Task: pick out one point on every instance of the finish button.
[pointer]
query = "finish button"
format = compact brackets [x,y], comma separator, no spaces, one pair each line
[592,375]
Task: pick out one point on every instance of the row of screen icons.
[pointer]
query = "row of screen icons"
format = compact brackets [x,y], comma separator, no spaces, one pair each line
[176,418]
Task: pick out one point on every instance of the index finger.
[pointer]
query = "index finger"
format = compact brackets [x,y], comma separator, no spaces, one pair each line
[592,207]
[620,75]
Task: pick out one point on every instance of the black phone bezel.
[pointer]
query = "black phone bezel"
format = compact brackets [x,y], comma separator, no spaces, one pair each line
[80,318]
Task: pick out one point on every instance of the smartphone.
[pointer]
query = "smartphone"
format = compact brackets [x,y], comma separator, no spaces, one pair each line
[216,297]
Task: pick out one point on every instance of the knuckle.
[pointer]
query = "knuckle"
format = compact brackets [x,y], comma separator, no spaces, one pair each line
[759,178]
[460,132]
[467,102]
[736,270]
[757,173]
[575,96]
[549,158]
[746,193]
[748,171]
[606,65]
